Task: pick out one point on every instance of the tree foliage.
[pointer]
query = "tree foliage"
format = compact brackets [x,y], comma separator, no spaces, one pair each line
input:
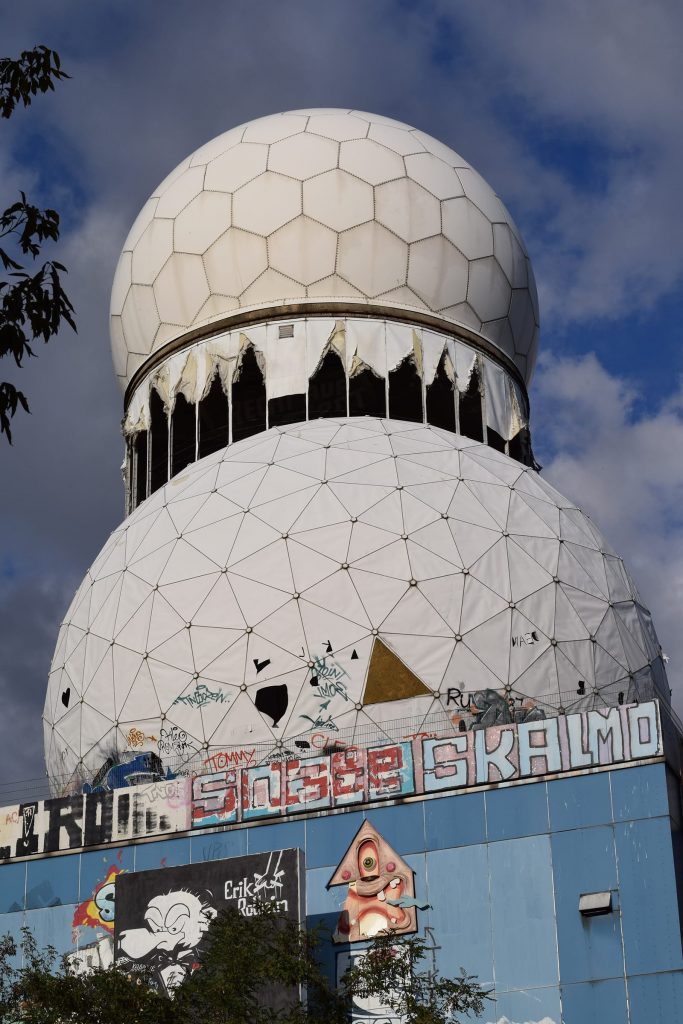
[390,972]
[263,969]
[33,303]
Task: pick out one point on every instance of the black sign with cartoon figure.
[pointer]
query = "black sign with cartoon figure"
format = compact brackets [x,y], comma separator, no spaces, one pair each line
[162,916]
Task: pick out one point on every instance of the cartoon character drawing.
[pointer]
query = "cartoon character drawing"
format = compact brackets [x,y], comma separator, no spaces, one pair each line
[381,891]
[176,922]
[99,910]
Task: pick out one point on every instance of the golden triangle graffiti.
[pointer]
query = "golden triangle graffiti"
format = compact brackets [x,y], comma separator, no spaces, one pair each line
[381,889]
[389,679]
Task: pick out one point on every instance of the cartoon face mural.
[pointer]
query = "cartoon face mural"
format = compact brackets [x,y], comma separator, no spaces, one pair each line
[163,915]
[381,890]
[175,924]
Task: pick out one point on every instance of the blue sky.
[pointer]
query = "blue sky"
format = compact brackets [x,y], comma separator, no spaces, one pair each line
[571,111]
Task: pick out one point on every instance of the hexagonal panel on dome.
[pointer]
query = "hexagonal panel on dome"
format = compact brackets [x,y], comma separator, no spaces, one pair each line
[343,577]
[202,221]
[338,199]
[266,203]
[234,261]
[303,157]
[357,260]
[303,248]
[407,209]
[343,169]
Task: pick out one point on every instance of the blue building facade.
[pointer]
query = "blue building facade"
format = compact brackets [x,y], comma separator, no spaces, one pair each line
[502,869]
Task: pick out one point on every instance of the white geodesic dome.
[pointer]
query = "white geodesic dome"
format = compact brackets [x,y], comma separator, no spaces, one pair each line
[333,578]
[322,205]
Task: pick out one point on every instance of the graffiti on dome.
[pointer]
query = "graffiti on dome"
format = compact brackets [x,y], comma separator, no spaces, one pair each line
[229,758]
[323,777]
[137,738]
[483,708]
[201,696]
[173,740]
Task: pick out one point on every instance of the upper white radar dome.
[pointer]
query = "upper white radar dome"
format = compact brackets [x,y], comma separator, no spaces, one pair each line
[315,205]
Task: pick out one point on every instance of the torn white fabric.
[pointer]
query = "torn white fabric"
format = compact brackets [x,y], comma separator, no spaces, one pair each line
[366,346]
[465,359]
[497,399]
[286,361]
[400,343]
[137,416]
[289,363]
[255,339]
[321,335]
[518,415]
[432,349]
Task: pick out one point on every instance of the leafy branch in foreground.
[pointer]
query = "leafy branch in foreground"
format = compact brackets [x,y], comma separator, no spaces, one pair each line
[33,303]
[263,969]
[35,71]
[389,972]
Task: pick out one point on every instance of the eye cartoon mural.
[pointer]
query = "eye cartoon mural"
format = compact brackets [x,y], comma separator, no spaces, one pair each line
[381,889]
[163,916]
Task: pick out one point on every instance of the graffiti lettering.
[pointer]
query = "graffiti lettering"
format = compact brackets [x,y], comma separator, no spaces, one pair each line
[201,696]
[327,668]
[322,723]
[137,738]
[525,639]
[264,887]
[333,778]
[174,741]
[228,758]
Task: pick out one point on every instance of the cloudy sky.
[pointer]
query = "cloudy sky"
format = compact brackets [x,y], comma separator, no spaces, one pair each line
[570,110]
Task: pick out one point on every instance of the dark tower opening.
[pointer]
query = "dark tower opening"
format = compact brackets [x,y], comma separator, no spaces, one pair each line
[494,440]
[159,437]
[327,388]
[471,422]
[140,468]
[183,433]
[441,398]
[519,447]
[367,394]
[248,397]
[214,419]
[405,392]
[286,409]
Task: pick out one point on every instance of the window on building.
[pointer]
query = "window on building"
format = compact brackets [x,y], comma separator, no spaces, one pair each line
[494,440]
[471,420]
[286,409]
[327,388]
[519,447]
[441,398]
[405,392]
[214,419]
[367,394]
[183,431]
[248,397]
[159,438]
[139,475]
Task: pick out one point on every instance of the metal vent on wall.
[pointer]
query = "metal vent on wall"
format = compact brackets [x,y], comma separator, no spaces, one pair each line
[286,331]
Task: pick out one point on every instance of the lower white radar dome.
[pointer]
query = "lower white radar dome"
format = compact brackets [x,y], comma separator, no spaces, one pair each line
[340,581]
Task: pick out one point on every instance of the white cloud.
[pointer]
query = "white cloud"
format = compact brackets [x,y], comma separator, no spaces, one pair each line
[624,467]
[603,81]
